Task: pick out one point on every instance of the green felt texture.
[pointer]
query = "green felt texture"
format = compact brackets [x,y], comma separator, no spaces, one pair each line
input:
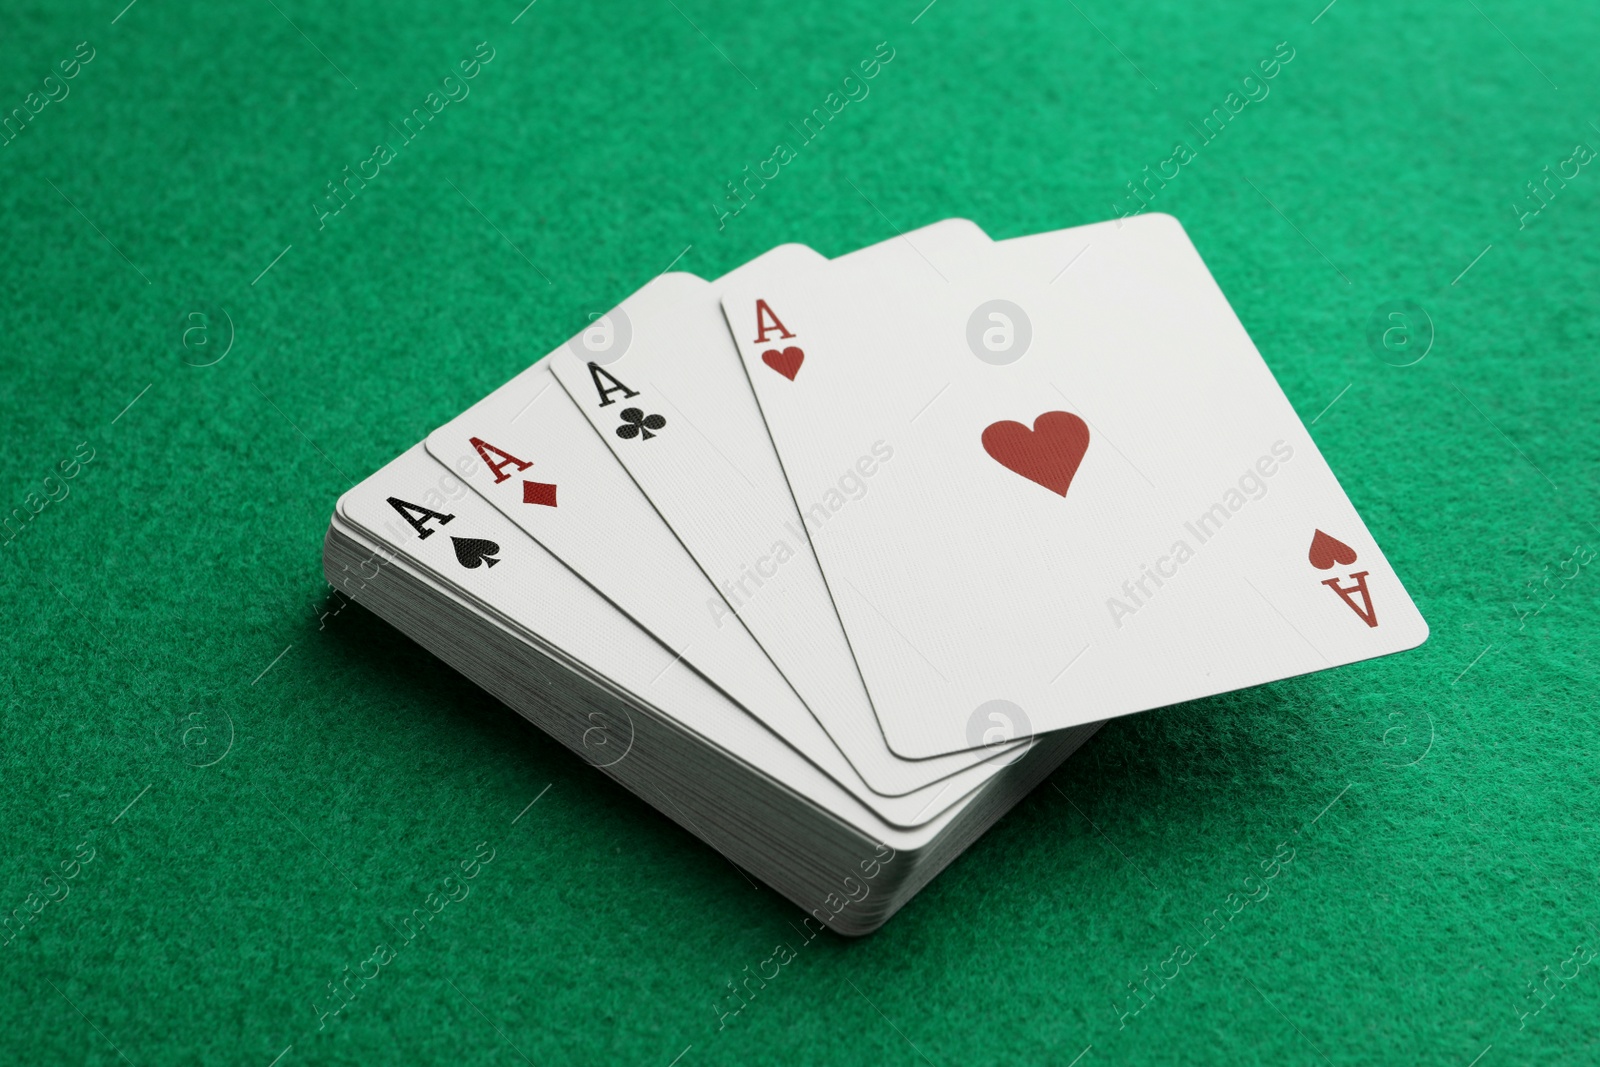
[1441,803]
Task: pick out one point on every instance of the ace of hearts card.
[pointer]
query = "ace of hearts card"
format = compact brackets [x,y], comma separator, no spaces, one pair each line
[1099,501]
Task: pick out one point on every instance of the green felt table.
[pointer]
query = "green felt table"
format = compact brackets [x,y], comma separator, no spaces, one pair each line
[237,786]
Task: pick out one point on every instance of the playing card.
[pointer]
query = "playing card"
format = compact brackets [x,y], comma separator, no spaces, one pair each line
[424,512]
[529,451]
[716,481]
[572,665]
[1091,497]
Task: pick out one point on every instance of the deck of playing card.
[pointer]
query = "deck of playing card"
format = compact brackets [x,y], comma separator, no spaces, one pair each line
[832,561]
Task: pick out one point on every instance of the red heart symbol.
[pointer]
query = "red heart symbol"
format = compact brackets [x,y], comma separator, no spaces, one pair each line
[786,363]
[1326,551]
[1048,454]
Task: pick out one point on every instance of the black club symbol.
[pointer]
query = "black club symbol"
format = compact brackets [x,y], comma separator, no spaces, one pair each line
[636,422]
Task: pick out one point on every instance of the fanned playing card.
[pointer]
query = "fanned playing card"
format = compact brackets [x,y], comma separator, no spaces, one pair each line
[1094,498]
[815,588]
[428,514]
[710,472]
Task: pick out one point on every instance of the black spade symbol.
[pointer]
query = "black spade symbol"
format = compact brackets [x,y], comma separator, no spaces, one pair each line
[471,551]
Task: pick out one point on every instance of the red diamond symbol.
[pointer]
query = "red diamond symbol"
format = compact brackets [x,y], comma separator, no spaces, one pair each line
[539,493]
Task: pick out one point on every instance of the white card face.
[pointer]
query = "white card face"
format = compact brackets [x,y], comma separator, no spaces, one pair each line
[528,450]
[533,593]
[1095,501]
[713,477]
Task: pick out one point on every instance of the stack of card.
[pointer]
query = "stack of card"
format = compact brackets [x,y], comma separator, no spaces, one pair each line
[833,561]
